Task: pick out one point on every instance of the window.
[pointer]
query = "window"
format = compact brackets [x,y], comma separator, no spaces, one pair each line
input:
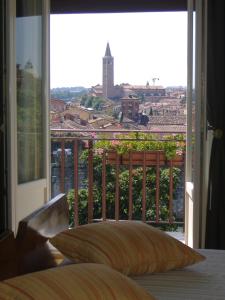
[130,29]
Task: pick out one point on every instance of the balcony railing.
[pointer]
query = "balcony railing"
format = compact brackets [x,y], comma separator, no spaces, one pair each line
[119,175]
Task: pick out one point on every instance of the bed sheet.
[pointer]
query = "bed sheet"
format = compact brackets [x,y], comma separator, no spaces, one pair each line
[202,281]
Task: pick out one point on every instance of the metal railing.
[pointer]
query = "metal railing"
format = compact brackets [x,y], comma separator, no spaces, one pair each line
[150,176]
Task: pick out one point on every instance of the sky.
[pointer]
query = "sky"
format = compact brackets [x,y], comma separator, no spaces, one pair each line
[144,46]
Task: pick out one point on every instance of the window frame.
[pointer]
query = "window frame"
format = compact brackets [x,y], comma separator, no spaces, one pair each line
[98,6]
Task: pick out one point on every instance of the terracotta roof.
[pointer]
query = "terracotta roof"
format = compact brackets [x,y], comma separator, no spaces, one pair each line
[167,120]
[145,87]
[168,128]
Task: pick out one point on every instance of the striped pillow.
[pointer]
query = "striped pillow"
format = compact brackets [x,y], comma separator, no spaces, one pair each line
[131,247]
[80,282]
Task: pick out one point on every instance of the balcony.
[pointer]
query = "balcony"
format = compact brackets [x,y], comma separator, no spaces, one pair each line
[120,175]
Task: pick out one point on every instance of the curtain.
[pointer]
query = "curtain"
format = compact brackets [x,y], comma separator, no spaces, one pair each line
[215,221]
[3,215]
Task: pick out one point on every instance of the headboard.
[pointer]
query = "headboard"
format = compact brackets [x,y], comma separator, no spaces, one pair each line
[33,251]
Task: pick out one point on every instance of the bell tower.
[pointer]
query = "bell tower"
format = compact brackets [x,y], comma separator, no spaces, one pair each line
[108,74]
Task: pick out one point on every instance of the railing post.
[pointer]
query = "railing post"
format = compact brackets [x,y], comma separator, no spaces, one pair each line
[104,185]
[76,206]
[157,185]
[171,193]
[144,189]
[184,191]
[117,202]
[130,211]
[62,169]
[90,181]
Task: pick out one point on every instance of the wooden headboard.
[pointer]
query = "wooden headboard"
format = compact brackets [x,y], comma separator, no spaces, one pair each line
[33,252]
[30,251]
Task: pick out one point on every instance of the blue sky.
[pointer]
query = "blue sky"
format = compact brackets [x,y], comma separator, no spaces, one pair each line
[144,46]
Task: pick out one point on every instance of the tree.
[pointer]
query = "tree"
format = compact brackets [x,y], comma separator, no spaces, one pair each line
[83,100]
[29,125]
[151,112]
[92,102]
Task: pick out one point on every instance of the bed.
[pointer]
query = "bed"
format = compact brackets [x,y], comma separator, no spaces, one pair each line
[33,250]
[204,280]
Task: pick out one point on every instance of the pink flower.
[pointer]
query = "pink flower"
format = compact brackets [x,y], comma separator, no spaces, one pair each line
[93,135]
[115,143]
[99,151]
[179,152]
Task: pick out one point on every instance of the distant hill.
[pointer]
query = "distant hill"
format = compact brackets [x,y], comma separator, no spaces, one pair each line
[68,93]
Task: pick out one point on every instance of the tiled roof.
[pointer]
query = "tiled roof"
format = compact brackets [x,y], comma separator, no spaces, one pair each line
[167,120]
[167,128]
[68,124]
[145,87]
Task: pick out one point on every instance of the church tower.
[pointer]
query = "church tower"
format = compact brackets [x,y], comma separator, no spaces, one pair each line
[108,74]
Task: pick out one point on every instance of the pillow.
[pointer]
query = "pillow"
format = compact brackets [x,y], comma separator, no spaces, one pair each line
[80,282]
[131,247]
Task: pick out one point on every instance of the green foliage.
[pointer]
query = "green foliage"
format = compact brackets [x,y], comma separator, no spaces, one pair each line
[30,128]
[172,145]
[29,104]
[115,114]
[92,102]
[68,93]
[82,206]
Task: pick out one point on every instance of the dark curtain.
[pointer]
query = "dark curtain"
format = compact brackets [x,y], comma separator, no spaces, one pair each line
[215,223]
[3,215]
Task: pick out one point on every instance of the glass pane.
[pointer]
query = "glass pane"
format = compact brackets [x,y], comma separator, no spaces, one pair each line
[30,100]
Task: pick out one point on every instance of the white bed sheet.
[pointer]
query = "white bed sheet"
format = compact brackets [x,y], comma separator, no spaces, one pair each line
[202,281]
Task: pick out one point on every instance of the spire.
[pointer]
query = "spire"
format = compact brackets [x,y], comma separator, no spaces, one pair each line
[107,51]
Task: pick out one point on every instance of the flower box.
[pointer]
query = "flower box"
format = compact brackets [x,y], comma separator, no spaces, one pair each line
[139,158]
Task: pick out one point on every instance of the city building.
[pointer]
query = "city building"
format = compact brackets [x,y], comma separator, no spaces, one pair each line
[57,105]
[111,91]
[130,107]
[108,74]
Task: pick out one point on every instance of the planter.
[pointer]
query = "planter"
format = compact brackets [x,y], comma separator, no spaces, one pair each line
[139,158]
